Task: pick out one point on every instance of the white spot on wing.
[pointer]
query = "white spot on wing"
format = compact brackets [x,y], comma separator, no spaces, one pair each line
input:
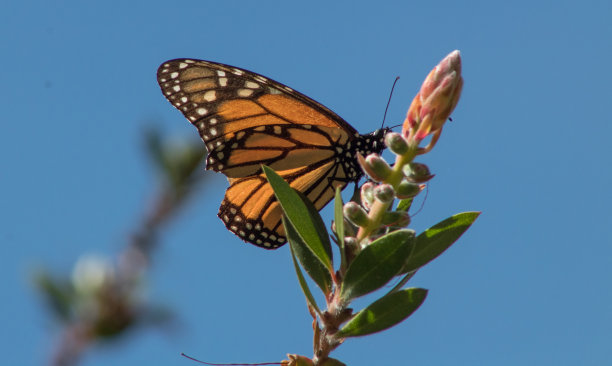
[251,85]
[210,95]
[245,92]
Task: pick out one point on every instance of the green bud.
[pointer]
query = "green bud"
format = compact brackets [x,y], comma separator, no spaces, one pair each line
[384,193]
[356,214]
[377,168]
[396,143]
[367,194]
[408,189]
[417,172]
[396,218]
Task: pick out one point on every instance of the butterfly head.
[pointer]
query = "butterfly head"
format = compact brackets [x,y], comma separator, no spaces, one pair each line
[374,142]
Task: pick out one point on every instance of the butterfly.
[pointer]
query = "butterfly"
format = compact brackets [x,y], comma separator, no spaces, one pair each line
[246,120]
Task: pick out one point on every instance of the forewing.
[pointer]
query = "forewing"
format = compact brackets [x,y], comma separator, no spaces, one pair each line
[246,119]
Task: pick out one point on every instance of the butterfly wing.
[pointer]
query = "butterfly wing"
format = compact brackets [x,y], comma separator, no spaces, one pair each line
[251,211]
[241,116]
[246,120]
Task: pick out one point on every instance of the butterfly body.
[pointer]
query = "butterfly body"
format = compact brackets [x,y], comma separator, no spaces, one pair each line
[247,120]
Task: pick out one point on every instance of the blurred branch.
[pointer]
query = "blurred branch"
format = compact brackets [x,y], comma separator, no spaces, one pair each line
[103,299]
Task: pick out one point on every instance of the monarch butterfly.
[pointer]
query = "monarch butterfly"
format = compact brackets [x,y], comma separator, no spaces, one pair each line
[247,120]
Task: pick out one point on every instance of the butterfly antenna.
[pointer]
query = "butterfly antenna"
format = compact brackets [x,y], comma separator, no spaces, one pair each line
[389,101]
[229,364]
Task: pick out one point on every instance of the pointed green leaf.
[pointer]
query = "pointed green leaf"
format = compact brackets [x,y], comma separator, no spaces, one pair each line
[435,240]
[405,204]
[311,264]
[377,264]
[298,213]
[319,225]
[339,223]
[305,289]
[338,217]
[384,313]
[59,294]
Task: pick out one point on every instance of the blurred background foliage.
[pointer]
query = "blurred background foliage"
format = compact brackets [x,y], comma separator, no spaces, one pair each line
[103,299]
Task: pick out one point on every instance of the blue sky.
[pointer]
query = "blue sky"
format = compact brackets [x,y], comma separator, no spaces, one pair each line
[529,146]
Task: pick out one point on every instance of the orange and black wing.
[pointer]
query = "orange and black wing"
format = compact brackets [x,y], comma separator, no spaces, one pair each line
[244,117]
[247,120]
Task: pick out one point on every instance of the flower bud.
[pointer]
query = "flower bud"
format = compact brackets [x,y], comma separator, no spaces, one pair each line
[92,272]
[396,143]
[417,172]
[438,96]
[384,193]
[356,214]
[367,194]
[396,218]
[375,166]
[408,189]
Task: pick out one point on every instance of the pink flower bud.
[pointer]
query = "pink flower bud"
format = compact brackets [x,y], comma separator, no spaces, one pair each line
[436,100]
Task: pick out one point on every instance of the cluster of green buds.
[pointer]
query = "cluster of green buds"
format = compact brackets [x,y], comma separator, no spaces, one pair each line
[429,110]
[375,246]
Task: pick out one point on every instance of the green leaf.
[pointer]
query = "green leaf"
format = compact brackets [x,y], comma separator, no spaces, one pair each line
[339,222]
[384,313]
[377,264]
[313,266]
[405,204]
[317,220]
[339,217]
[59,294]
[298,212]
[177,162]
[309,298]
[435,240]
